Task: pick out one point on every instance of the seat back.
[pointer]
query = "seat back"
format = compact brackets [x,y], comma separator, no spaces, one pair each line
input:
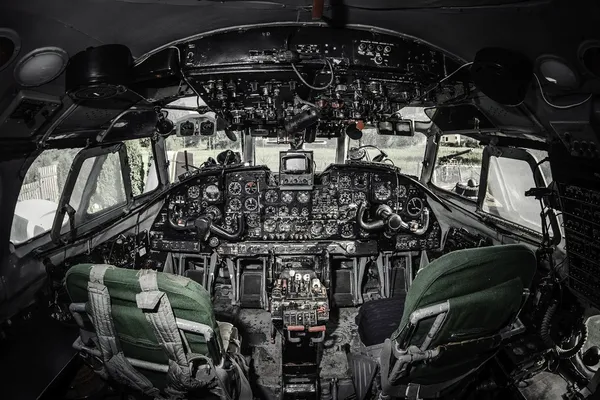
[457,308]
[188,326]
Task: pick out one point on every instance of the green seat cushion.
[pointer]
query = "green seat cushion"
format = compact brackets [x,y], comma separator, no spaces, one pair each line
[188,299]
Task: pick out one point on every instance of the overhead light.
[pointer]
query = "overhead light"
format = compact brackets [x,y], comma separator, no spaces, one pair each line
[10,45]
[556,71]
[41,66]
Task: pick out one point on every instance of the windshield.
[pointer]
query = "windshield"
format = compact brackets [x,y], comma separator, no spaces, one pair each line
[267,152]
[403,152]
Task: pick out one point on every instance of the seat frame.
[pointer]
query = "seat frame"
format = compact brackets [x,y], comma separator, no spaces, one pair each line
[215,351]
[406,355]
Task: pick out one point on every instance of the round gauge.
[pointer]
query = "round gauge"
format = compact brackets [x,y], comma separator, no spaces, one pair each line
[325,180]
[212,193]
[214,212]
[305,212]
[270,210]
[253,220]
[271,196]
[235,188]
[316,229]
[287,197]
[283,210]
[270,225]
[401,191]
[284,226]
[345,181]
[382,192]
[360,197]
[331,228]
[235,204]
[303,197]
[345,198]
[193,192]
[295,212]
[414,206]
[360,181]
[347,231]
[251,187]
[251,204]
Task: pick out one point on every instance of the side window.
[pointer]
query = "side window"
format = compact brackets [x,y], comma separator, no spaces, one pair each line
[142,166]
[458,165]
[40,193]
[593,325]
[508,180]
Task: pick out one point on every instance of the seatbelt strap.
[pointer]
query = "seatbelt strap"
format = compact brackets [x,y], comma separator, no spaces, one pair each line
[115,362]
[157,309]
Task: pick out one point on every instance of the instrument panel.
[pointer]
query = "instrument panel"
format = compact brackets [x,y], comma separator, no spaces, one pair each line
[327,212]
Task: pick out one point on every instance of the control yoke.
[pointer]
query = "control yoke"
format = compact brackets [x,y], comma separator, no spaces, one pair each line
[204,226]
[391,220]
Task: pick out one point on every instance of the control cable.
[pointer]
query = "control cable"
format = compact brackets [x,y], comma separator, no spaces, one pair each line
[332,76]
[555,105]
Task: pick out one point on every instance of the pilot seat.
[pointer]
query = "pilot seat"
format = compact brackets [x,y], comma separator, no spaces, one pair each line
[155,334]
[456,314]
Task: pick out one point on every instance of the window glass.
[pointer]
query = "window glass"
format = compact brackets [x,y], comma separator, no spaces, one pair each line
[593,325]
[109,190]
[198,148]
[142,166]
[267,152]
[458,165]
[40,194]
[404,152]
[508,180]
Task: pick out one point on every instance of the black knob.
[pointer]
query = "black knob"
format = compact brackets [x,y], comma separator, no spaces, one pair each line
[591,357]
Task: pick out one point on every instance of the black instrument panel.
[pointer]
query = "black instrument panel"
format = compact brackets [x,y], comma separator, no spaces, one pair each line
[269,212]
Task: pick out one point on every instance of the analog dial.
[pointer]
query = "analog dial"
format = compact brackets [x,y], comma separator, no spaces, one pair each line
[360,181]
[214,213]
[414,206]
[345,181]
[193,192]
[235,188]
[270,225]
[251,204]
[253,220]
[360,197]
[295,212]
[287,197]
[251,187]
[345,198]
[303,197]
[347,231]
[284,226]
[283,210]
[212,193]
[270,210]
[235,205]
[331,228]
[316,229]
[382,192]
[401,191]
[305,212]
[271,196]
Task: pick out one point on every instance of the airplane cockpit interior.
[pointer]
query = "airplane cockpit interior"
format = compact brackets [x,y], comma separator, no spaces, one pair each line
[299,199]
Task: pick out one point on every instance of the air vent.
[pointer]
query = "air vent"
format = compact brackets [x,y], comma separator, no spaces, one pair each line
[589,57]
[10,45]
